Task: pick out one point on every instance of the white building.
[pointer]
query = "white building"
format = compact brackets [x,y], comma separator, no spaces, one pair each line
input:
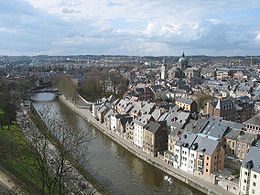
[113,122]
[250,173]
[139,124]
[184,157]
[163,70]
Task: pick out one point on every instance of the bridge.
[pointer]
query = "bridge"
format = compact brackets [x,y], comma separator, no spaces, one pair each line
[54,91]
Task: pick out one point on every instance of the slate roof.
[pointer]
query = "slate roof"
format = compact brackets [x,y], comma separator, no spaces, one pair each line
[147,107]
[240,136]
[184,100]
[205,145]
[186,140]
[143,120]
[102,109]
[157,113]
[152,127]
[255,120]
[252,160]
[125,119]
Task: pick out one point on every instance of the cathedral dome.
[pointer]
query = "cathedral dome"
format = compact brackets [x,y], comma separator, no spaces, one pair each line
[183,60]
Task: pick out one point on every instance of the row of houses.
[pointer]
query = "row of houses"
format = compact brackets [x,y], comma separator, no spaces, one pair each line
[142,123]
[175,134]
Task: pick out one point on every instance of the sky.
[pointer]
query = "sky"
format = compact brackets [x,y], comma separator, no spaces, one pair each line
[130,27]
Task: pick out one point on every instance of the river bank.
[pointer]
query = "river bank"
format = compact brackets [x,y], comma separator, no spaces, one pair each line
[88,185]
[185,177]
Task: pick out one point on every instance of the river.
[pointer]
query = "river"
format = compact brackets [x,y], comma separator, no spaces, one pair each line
[113,166]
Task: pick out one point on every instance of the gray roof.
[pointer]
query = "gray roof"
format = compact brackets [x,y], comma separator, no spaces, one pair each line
[205,145]
[224,103]
[123,103]
[186,140]
[255,120]
[109,113]
[143,120]
[252,160]
[198,125]
[157,113]
[240,136]
[152,127]
[184,100]
[216,127]
[147,107]
[102,109]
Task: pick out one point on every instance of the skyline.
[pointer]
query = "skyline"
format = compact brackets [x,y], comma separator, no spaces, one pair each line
[157,28]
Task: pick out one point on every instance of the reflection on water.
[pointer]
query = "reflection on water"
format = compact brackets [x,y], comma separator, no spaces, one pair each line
[112,165]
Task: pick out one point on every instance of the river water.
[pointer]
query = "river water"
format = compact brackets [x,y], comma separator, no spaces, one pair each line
[113,166]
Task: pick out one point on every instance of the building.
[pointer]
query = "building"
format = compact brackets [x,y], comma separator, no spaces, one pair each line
[253,125]
[198,155]
[183,62]
[155,138]
[223,73]
[183,158]
[238,143]
[192,73]
[101,111]
[222,108]
[244,108]
[139,124]
[173,137]
[249,182]
[163,70]
[210,156]
[187,104]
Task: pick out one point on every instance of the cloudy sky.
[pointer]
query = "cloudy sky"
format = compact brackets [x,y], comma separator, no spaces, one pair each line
[130,27]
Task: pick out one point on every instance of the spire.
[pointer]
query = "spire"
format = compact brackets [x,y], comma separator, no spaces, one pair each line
[183,55]
[218,106]
[164,62]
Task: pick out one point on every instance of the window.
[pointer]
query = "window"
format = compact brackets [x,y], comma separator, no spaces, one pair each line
[255,176]
[244,180]
[253,191]
[207,170]
[207,158]
[207,164]
[254,184]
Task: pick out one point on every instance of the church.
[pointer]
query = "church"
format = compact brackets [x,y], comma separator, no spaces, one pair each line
[182,70]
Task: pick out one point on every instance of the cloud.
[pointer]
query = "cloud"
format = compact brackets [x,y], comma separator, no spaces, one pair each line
[130,27]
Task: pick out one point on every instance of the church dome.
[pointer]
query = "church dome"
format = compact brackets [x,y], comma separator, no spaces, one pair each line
[183,60]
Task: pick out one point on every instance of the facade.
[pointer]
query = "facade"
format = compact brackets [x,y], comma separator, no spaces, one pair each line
[249,182]
[222,108]
[244,108]
[155,138]
[238,143]
[253,125]
[192,73]
[210,156]
[198,155]
[163,70]
[101,113]
[186,104]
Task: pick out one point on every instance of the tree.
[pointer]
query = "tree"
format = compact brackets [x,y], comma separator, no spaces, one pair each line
[70,149]
[66,86]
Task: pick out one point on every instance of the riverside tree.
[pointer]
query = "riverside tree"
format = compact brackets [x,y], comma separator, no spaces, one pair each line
[57,164]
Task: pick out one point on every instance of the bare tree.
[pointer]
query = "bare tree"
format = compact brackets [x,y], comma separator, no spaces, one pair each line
[70,150]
